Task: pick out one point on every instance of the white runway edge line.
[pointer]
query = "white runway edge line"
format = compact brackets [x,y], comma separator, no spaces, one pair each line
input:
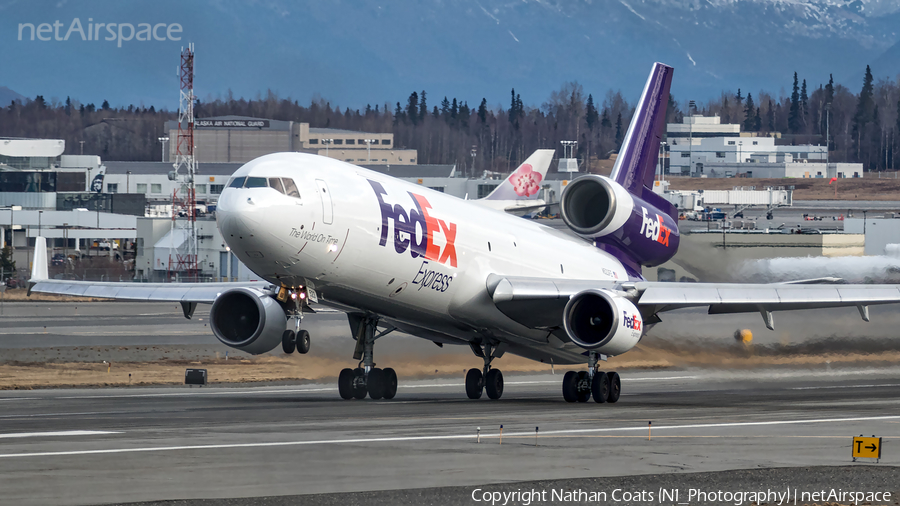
[262,391]
[57,433]
[428,438]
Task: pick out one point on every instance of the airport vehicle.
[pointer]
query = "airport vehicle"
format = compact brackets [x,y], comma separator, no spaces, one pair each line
[519,193]
[396,256]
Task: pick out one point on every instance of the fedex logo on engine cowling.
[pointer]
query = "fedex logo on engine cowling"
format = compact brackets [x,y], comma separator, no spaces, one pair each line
[655,228]
[632,322]
[416,229]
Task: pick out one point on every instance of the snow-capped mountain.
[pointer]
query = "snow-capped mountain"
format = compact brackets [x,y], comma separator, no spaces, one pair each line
[354,52]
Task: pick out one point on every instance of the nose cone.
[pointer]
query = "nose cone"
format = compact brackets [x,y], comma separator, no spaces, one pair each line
[237,215]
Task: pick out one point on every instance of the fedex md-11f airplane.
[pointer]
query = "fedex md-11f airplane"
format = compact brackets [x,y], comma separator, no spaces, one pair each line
[398,256]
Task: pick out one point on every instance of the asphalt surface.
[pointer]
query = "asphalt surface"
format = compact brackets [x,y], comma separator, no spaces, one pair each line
[127,445]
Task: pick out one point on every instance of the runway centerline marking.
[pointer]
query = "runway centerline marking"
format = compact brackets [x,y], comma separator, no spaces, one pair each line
[428,438]
[16,435]
[826,387]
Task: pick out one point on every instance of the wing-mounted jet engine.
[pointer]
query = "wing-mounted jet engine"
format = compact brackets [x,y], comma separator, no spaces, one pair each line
[248,319]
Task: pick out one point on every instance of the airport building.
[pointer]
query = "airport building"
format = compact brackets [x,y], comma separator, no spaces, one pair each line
[704,147]
[239,139]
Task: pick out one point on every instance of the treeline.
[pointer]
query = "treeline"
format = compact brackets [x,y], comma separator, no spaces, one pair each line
[864,127]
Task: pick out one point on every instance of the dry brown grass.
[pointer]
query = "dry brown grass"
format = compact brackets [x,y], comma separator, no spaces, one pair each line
[295,368]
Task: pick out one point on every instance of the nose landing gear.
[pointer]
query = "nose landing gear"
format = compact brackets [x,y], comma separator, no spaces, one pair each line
[293,338]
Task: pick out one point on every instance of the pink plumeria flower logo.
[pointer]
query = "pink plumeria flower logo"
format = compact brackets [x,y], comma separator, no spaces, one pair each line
[525,181]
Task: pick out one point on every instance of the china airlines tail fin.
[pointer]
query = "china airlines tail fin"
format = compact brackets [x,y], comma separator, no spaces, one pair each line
[637,161]
[525,181]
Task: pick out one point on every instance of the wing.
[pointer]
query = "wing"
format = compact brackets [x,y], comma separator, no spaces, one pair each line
[540,302]
[157,292]
[186,293]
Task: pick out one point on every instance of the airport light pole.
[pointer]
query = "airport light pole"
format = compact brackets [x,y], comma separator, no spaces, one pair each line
[163,140]
[474,153]
[369,149]
[327,142]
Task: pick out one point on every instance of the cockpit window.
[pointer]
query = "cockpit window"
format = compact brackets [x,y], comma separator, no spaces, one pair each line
[290,188]
[256,182]
[275,183]
[237,182]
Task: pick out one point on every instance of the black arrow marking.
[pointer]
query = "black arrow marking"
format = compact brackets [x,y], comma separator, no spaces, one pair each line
[872,447]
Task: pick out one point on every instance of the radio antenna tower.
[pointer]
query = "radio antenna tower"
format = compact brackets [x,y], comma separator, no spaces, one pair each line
[184,259]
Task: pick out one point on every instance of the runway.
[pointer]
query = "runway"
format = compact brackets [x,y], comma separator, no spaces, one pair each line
[99,446]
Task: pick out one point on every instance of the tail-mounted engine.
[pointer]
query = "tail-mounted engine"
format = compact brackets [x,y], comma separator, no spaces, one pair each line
[603,321]
[248,319]
[598,208]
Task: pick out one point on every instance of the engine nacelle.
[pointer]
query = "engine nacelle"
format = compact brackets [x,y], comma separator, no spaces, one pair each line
[603,321]
[598,208]
[247,319]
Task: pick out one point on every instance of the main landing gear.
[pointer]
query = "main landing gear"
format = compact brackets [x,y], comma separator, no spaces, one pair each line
[367,379]
[582,385]
[490,380]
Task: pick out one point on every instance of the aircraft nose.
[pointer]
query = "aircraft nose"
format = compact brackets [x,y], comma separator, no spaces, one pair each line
[238,215]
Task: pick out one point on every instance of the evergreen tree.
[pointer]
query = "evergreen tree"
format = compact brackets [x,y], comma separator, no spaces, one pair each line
[794,113]
[454,110]
[606,123]
[482,112]
[750,114]
[726,112]
[105,105]
[771,116]
[619,132]
[829,90]
[757,121]
[591,116]
[423,107]
[412,108]
[739,98]
[865,109]
[436,113]
[398,114]
[804,104]
[445,108]
[7,264]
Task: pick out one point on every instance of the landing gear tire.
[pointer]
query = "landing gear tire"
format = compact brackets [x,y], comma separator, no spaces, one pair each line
[375,383]
[288,341]
[493,384]
[600,387]
[303,342]
[584,389]
[570,386]
[474,383]
[390,384]
[359,383]
[345,384]
[615,386]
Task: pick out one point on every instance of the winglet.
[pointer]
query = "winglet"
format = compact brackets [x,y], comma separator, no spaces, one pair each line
[525,182]
[39,270]
[636,164]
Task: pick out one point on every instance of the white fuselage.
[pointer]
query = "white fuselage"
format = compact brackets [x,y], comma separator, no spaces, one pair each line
[348,236]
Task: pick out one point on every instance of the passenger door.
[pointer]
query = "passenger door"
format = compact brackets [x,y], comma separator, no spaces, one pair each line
[325,195]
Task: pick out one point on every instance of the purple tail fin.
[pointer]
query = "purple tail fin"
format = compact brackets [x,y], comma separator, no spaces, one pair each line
[637,161]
